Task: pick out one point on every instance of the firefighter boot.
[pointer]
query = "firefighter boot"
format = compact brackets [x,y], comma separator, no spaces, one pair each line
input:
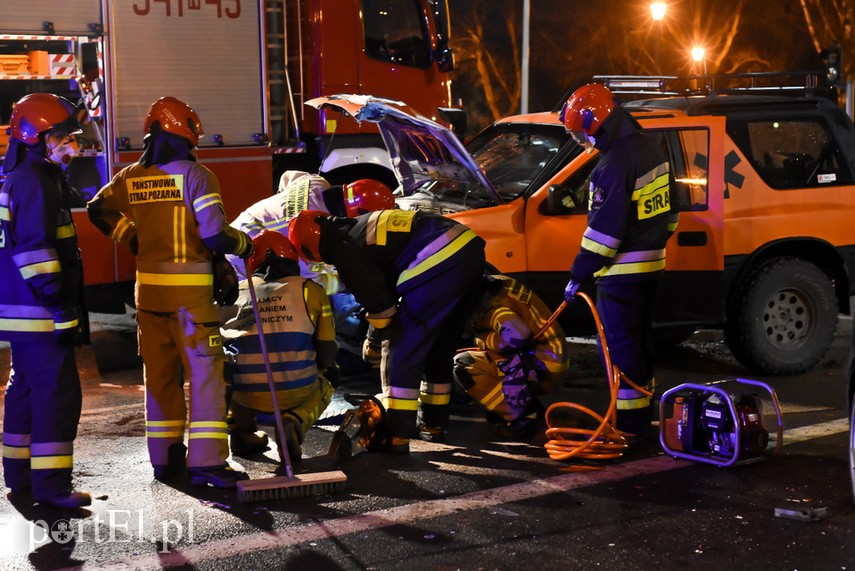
[293,439]
[175,463]
[244,439]
[635,423]
[431,433]
[69,500]
[399,445]
[218,476]
[525,425]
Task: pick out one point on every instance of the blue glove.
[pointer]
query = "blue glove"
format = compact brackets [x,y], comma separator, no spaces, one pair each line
[515,390]
[570,290]
[66,325]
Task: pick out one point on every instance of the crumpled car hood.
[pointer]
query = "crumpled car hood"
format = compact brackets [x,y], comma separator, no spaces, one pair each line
[421,150]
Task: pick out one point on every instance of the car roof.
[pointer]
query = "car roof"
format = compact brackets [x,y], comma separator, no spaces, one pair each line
[696,105]
[729,104]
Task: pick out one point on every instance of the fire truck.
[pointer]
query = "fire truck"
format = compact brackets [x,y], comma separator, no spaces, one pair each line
[245,66]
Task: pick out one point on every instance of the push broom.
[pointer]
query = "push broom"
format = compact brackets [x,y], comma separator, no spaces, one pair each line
[289,485]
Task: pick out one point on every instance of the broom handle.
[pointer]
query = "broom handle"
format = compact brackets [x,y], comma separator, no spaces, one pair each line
[277,416]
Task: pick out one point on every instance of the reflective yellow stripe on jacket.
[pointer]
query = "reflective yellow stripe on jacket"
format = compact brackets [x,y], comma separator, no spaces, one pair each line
[438,251]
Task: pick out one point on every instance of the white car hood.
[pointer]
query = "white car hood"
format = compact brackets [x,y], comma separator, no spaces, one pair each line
[421,150]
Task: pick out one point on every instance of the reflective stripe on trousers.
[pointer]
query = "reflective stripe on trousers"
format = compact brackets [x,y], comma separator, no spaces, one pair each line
[422,340]
[41,414]
[626,310]
[170,344]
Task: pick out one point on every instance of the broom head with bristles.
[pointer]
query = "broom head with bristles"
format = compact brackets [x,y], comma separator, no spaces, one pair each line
[285,487]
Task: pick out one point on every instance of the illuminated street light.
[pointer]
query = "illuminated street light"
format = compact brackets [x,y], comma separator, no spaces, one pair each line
[698,55]
[657,10]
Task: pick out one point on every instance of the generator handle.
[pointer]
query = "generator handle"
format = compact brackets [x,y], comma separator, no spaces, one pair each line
[779,440]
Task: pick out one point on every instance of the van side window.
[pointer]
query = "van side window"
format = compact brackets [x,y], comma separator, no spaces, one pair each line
[688,151]
[395,32]
[791,153]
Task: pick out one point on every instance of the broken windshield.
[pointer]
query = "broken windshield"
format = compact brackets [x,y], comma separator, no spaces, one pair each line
[511,155]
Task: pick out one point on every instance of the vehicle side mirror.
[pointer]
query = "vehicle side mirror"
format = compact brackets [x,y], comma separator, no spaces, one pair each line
[457,118]
[561,199]
[444,60]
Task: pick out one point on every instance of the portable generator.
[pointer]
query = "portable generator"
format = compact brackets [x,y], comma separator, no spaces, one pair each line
[718,423]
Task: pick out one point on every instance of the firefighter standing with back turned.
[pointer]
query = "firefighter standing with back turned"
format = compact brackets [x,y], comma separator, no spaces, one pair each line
[41,307]
[418,276]
[167,209]
[629,222]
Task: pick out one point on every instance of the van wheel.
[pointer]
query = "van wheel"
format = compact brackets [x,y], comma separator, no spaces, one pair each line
[783,317]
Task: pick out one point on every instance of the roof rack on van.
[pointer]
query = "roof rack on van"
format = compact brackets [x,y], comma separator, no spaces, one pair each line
[788,82]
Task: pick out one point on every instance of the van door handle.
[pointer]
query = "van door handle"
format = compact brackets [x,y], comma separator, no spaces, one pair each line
[691,238]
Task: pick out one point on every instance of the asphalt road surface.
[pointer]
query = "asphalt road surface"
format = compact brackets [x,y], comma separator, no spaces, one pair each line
[475,502]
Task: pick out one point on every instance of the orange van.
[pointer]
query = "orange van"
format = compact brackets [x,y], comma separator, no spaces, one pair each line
[764,184]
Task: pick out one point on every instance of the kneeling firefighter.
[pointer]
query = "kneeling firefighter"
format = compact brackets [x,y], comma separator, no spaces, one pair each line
[299,332]
[510,367]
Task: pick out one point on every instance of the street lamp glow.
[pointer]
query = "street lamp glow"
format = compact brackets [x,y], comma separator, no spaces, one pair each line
[657,10]
[698,54]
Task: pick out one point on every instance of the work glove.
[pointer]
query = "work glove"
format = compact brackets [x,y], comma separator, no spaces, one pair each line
[570,290]
[225,281]
[247,252]
[522,364]
[372,348]
[515,390]
[372,351]
[66,325]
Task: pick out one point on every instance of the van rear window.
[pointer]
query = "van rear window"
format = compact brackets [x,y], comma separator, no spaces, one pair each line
[791,153]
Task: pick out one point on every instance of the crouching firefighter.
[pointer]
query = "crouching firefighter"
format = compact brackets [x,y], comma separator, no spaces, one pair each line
[417,276]
[509,367]
[41,304]
[299,331]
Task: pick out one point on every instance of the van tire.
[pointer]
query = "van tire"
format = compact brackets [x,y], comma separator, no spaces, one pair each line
[783,317]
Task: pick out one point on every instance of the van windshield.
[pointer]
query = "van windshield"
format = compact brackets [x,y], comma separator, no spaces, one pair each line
[513,154]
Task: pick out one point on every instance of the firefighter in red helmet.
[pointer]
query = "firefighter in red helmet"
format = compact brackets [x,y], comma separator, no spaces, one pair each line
[167,209]
[299,331]
[629,221]
[300,191]
[417,275]
[41,304]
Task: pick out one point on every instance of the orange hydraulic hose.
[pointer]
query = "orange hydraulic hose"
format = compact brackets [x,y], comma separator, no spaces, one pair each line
[605,442]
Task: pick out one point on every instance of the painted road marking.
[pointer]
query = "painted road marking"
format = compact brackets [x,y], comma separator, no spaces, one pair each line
[821,430]
[379,519]
[410,513]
